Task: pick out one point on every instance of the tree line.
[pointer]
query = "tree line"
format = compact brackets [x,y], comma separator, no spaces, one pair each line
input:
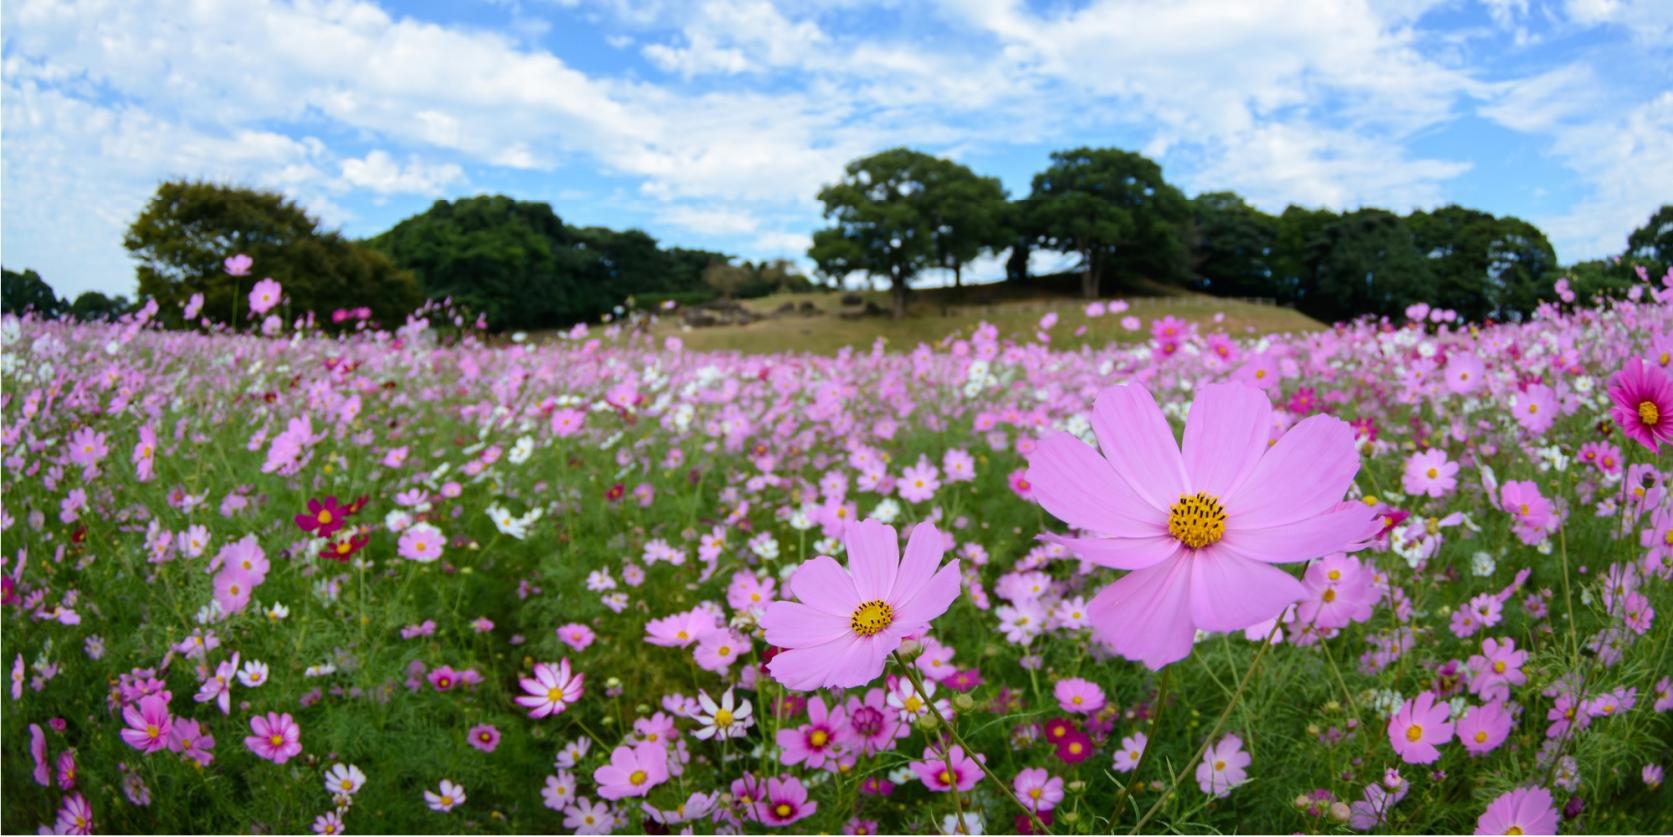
[895,216]
[899,214]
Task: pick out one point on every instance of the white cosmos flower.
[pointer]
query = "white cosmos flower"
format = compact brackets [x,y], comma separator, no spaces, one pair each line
[725,719]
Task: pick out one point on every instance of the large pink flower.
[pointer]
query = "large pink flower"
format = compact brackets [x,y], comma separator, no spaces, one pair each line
[1643,397]
[1198,528]
[1519,811]
[848,621]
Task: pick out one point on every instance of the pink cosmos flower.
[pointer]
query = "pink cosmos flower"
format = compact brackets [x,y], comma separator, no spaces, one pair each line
[484,737]
[1199,529]
[1464,373]
[576,636]
[815,741]
[1132,749]
[445,798]
[1532,513]
[422,543]
[1418,727]
[551,690]
[942,773]
[1430,474]
[1484,728]
[1038,789]
[149,723]
[847,621]
[37,751]
[443,678]
[277,738]
[632,771]
[236,265]
[264,296]
[193,306]
[1077,695]
[680,629]
[87,448]
[192,741]
[75,816]
[1536,409]
[568,422]
[1643,396]
[919,482]
[783,800]
[1224,766]
[1519,811]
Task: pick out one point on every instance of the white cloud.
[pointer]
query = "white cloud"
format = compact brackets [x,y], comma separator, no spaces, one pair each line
[380,173]
[710,220]
[1629,162]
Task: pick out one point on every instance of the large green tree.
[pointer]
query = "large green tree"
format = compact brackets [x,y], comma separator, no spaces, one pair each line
[1366,262]
[881,221]
[25,290]
[92,305]
[1232,246]
[1652,244]
[1484,266]
[513,261]
[1115,209]
[183,235]
[967,213]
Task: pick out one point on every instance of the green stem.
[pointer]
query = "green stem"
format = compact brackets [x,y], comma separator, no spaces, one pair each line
[1149,744]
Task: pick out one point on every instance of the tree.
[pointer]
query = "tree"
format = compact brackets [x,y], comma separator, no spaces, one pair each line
[1292,272]
[1652,244]
[727,278]
[1232,245]
[882,221]
[967,215]
[27,291]
[1115,209]
[1484,266]
[189,227]
[1366,262]
[92,305]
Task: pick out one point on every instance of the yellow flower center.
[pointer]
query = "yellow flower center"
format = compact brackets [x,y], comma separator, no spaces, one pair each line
[1219,765]
[1433,473]
[783,809]
[151,731]
[913,704]
[1033,793]
[1498,666]
[637,778]
[325,515]
[1197,520]
[723,718]
[348,784]
[1481,737]
[447,802]
[871,618]
[276,739]
[554,694]
[946,777]
[1515,829]
[1414,732]
[819,738]
[1649,413]
[1329,595]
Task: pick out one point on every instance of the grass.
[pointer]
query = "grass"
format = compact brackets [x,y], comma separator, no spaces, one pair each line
[938,313]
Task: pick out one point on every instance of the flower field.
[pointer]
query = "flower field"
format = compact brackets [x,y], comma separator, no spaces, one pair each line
[1390,578]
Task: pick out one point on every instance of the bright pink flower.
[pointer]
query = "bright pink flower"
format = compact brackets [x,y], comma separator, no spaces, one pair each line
[149,723]
[817,740]
[568,422]
[847,621]
[1536,409]
[576,636]
[1038,789]
[1464,373]
[277,738]
[783,801]
[191,740]
[443,678]
[1484,728]
[1430,474]
[1223,767]
[75,816]
[422,543]
[237,265]
[1340,591]
[551,690]
[1519,811]
[1418,727]
[1198,530]
[680,629]
[632,771]
[1643,396]
[943,773]
[1532,513]
[484,737]
[1077,695]
[264,296]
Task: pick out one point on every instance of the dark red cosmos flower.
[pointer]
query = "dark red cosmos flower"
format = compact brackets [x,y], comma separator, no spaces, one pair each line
[1025,824]
[358,504]
[615,493]
[323,518]
[1059,729]
[1074,748]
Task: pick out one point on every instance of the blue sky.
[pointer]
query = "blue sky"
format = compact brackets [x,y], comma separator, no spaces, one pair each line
[713,123]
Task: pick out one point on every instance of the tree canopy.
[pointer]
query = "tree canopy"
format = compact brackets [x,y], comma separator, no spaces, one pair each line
[882,212]
[25,290]
[1115,209]
[183,235]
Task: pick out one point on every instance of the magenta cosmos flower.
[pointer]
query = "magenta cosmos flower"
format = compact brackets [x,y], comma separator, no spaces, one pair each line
[551,690]
[1418,727]
[149,724]
[277,737]
[1520,811]
[1643,397]
[848,621]
[1198,528]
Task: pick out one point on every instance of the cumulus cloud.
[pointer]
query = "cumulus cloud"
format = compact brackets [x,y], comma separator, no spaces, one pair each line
[380,173]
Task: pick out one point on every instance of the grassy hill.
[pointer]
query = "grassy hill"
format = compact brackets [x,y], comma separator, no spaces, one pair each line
[936,313]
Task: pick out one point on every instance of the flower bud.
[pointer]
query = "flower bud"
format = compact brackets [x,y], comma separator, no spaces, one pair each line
[1339,811]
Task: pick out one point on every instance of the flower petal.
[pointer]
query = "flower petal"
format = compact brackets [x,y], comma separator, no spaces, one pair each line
[1342,529]
[873,556]
[923,554]
[1230,592]
[796,625]
[1146,615]
[1225,435]
[1079,487]
[823,584]
[1139,444]
[930,600]
[1304,474]
[1120,553]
